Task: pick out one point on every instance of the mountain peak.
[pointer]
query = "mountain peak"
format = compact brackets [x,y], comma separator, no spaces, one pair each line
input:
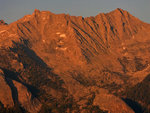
[36,12]
[118,11]
[2,22]
[60,60]
[42,13]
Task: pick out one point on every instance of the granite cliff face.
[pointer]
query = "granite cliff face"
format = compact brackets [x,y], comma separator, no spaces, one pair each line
[13,92]
[63,63]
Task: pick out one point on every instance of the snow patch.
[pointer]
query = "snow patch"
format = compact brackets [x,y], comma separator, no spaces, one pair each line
[61,42]
[124,48]
[63,35]
[61,48]
[43,41]
[58,33]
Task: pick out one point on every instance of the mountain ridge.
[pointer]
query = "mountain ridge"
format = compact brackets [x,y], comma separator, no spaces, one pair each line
[70,62]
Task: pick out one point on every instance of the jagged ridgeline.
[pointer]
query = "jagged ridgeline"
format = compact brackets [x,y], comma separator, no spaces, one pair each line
[69,64]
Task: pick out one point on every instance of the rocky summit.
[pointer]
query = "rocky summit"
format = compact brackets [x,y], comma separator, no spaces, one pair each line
[57,63]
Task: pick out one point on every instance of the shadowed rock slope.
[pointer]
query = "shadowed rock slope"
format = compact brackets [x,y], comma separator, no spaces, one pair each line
[61,63]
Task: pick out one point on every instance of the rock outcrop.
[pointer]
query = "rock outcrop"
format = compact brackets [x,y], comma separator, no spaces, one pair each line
[2,22]
[14,92]
[6,93]
[67,61]
[111,103]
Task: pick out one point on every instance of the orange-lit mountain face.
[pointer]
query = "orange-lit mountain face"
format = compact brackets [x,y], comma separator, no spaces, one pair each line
[62,63]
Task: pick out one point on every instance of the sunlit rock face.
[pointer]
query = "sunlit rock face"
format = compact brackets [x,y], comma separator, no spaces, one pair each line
[85,64]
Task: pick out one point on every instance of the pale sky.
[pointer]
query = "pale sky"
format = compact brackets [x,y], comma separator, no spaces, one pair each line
[12,10]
